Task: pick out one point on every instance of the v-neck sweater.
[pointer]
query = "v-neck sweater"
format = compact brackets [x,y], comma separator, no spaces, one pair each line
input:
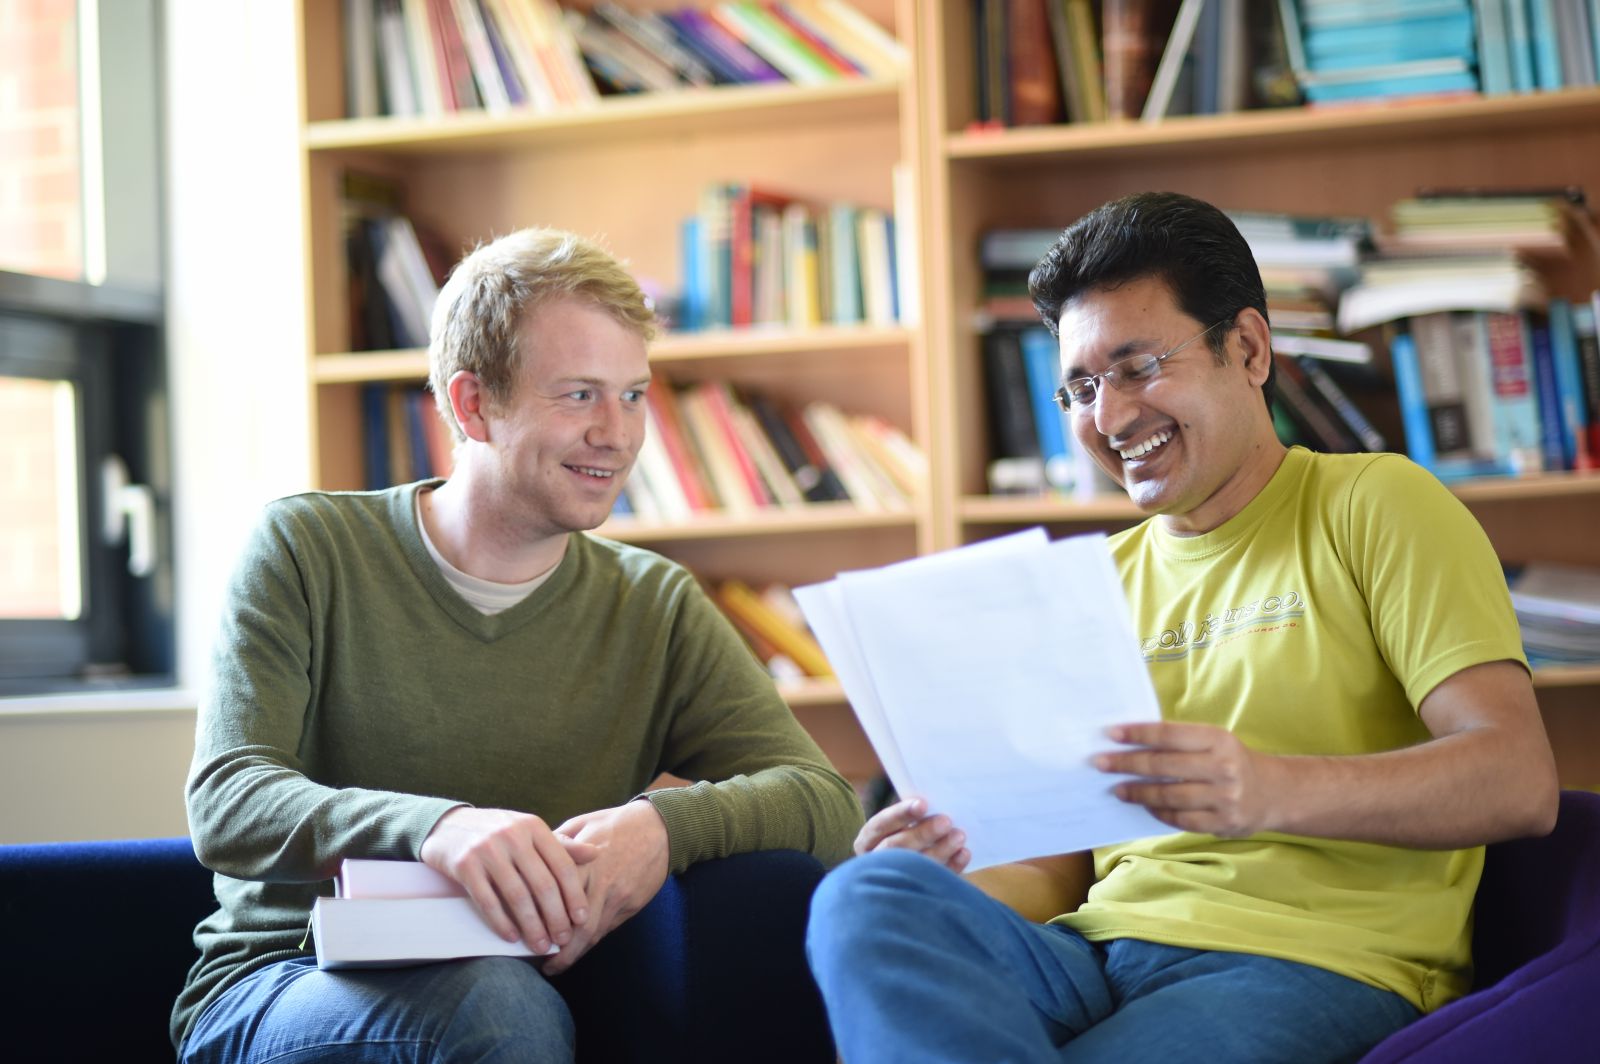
[356,698]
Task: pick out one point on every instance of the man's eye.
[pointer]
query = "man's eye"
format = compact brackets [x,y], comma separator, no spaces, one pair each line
[583,395]
[1080,392]
[1140,369]
[633,395]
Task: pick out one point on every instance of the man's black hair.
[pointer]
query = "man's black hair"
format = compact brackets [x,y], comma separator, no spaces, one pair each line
[1190,245]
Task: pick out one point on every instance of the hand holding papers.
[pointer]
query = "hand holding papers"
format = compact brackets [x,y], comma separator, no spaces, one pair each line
[985,678]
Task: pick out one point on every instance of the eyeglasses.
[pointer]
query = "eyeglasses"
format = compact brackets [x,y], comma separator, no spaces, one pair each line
[1135,371]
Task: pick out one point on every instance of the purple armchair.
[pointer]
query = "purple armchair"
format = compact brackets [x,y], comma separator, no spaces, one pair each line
[1536,946]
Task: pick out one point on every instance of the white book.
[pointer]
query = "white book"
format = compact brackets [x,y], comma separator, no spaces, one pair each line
[364,877]
[394,932]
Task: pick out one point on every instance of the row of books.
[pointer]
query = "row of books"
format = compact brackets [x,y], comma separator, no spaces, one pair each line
[403,437]
[710,448]
[1044,61]
[1031,447]
[1501,392]
[394,268]
[776,631]
[753,256]
[432,57]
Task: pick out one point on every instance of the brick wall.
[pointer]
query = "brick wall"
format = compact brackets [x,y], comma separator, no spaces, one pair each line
[41,221]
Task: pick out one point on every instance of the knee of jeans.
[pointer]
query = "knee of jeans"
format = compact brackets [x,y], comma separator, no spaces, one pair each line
[854,896]
[508,1002]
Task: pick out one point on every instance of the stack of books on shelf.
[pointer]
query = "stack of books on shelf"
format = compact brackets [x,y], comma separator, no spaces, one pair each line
[1044,61]
[1031,447]
[390,914]
[403,437]
[433,57]
[711,449]
[1349,50]
[776,631]
[1494,375]
[754,256]
[1366,49]
[395,271]
[1558,607]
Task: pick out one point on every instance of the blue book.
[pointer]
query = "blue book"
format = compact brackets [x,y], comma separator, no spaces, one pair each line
[1460,81]
[375,434]
[1494,47]
[417,434]
[1040,358]
[1571,408]
[1334,13]
[1520,44]
[1549,401]
[1546,49]
[1392,42]
[1413,401]
[692,309]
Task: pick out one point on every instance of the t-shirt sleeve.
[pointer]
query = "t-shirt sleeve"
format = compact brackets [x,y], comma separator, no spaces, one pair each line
[1434,586]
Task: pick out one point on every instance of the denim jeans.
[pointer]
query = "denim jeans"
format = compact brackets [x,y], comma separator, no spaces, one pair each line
[492,1009]
[917,965]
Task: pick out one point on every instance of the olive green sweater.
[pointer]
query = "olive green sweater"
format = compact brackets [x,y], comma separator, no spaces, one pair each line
[356,698]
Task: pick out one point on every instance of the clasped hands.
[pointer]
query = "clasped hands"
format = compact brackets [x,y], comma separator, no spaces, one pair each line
[1195,777]
[568,886]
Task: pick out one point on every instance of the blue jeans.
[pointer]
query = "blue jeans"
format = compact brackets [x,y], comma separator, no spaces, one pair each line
[499,1009]
[917,965]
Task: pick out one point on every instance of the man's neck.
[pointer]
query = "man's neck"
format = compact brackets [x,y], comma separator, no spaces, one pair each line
[480,540]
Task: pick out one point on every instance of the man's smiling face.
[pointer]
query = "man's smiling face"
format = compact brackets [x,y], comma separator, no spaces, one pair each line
[1188,443]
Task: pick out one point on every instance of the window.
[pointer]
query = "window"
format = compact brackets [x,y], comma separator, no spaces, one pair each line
[85,573]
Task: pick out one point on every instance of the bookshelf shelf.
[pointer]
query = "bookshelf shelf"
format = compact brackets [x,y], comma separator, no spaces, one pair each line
[355,367]
[1282,128]
[1556,676]
[1007,510]
[1542,486]
[813,518]
[720,109]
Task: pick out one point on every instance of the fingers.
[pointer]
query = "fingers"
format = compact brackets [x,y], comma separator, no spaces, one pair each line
[887,821]
[906,826]
[555,885]
[1169,735]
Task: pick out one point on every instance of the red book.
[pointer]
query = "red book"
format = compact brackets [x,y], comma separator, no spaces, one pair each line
[1033,83]
[664,410]
[459,89]
[741,247]
[716,398]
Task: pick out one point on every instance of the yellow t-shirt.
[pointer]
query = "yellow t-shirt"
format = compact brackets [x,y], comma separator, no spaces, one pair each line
[1313,622]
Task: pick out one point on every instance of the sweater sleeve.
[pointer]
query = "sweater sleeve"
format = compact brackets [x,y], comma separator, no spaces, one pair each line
[255,809]
[763,784]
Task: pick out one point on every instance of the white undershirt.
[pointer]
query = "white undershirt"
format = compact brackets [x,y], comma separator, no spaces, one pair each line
[485,596]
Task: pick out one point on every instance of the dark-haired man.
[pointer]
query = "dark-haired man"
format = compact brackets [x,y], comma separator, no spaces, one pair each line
[1347,719]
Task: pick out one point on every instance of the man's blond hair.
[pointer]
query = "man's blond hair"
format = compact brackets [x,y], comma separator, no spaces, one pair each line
[478,319]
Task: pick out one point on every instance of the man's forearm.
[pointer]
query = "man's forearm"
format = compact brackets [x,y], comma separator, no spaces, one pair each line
[1466,789]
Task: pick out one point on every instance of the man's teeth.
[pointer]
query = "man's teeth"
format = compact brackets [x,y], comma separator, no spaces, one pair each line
[1146,447]
[594,472]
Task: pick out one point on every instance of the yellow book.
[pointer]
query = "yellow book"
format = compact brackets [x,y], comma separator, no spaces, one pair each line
[739,599]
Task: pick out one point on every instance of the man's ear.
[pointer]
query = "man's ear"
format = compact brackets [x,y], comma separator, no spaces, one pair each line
[469,403]
[1255,345]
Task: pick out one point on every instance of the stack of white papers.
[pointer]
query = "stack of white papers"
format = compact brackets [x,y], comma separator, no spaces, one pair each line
[985,678]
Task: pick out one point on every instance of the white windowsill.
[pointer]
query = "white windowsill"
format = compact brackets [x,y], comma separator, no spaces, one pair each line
[151,700]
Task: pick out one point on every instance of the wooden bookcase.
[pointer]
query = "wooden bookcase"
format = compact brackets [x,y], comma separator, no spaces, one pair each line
[1353,161]
[629,169]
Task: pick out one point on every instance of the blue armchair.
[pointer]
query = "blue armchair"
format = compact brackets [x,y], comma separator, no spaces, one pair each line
[98,943]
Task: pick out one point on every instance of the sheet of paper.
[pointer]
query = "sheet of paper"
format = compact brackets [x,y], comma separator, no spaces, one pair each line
[993,674]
